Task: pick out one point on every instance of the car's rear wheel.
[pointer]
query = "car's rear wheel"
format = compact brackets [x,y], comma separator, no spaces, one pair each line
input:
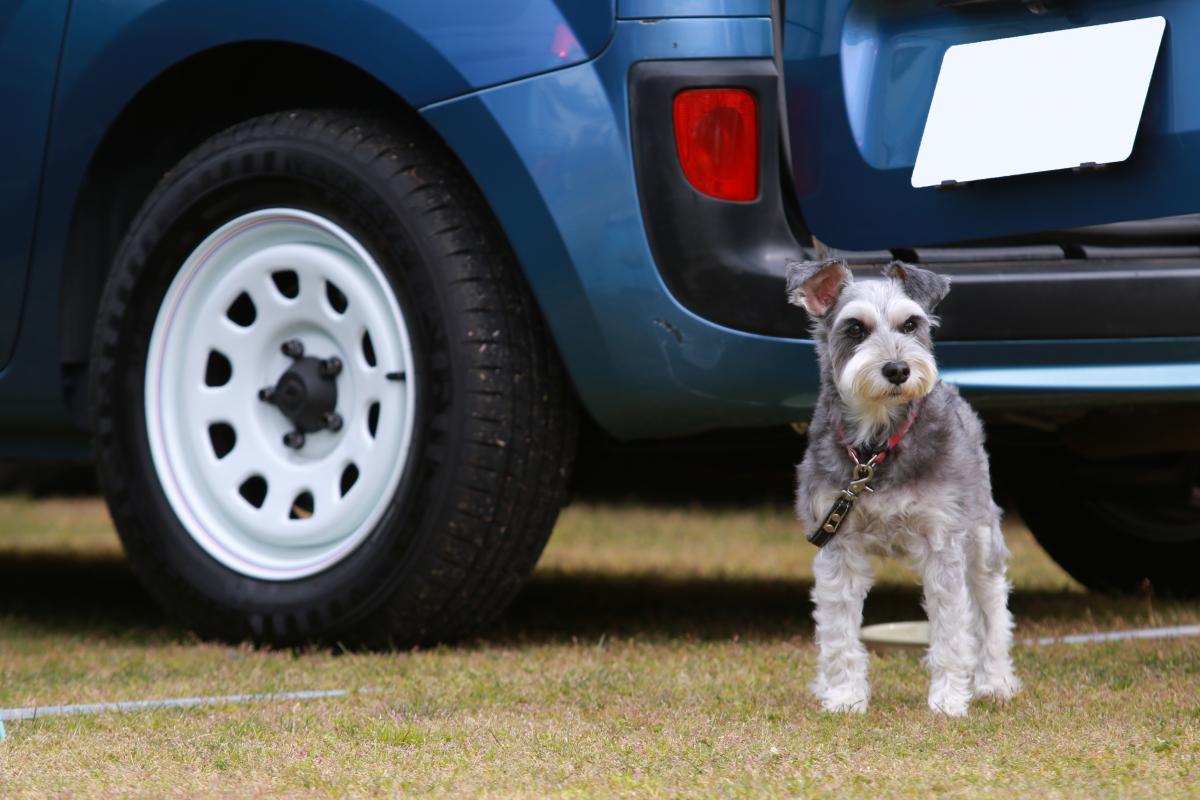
[323,401]
[1128,525]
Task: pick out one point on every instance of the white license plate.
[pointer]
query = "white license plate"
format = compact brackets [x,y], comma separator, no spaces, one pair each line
[1038,103]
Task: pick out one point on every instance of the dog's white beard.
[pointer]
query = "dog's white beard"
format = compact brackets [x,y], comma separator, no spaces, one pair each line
[873,403]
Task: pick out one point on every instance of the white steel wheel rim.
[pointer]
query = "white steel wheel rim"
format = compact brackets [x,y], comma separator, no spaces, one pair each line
[350,475]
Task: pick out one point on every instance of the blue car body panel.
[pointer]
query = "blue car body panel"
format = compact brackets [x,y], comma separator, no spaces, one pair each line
[31,34]
[554,159]
[533,98]
[659,9]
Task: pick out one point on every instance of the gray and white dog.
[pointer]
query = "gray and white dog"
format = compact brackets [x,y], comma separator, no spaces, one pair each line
[927,491]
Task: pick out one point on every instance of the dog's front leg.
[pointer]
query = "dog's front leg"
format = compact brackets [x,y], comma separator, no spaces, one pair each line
[951,658]
[994,675]
[842,576]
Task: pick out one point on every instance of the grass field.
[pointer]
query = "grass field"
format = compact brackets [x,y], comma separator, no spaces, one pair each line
[656,653]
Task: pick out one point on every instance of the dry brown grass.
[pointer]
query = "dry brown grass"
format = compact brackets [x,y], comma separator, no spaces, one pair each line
[656,653]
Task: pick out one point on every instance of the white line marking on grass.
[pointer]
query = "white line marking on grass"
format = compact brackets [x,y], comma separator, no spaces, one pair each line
[33,712]
[916,634]
[1174,632]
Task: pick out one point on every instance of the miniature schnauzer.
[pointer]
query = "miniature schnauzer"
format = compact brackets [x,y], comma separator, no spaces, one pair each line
[895,463]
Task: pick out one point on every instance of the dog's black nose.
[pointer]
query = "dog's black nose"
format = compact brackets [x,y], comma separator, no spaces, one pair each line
[896,372]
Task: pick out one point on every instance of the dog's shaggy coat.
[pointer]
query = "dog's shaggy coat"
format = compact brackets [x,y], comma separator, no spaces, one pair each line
[932,498]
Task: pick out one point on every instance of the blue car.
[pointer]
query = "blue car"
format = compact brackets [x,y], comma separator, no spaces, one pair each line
[326,288]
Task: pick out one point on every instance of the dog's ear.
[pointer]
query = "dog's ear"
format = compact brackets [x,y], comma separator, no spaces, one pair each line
[925,287]
[816,286]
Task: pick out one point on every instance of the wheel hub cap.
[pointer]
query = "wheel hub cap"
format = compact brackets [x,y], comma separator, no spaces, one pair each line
[306,393]
[280,480]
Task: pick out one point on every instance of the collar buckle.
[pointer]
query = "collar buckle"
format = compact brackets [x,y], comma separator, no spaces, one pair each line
[861,477]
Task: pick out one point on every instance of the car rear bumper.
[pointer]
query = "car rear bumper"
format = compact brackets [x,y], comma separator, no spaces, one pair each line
[670,313]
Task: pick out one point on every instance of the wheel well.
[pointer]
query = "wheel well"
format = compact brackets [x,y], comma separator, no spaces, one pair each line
[169,117]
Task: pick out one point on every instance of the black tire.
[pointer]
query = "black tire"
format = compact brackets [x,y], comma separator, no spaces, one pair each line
[495,428]
[1126,526]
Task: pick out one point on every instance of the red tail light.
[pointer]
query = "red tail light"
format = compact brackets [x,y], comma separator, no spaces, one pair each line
[716,136]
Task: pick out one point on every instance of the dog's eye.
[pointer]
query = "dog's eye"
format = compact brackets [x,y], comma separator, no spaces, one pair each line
[910,325]
[855,329]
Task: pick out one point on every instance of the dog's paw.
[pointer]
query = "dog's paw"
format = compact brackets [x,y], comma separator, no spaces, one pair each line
[951,702]
[997,686]
[844,699]
[846,706]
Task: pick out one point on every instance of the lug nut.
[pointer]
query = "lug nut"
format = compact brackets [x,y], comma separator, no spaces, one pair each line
[332,420]
[294,439]
[293,348]
[331,367]
[267,394]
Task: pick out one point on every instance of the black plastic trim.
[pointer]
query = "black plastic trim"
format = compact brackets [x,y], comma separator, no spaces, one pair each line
[723,260]
[1071,300]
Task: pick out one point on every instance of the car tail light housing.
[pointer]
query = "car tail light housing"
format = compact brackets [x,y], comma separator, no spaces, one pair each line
[716,138]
